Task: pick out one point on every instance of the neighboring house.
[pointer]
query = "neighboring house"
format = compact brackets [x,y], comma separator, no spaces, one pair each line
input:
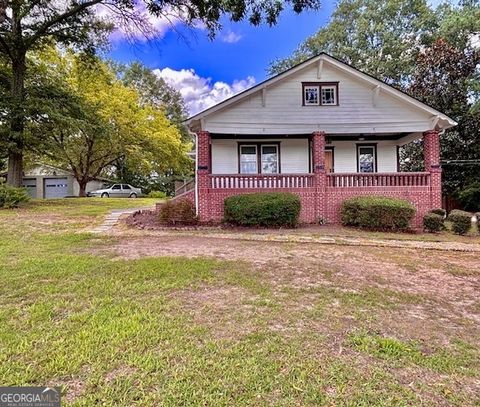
[323,130]
[46,181]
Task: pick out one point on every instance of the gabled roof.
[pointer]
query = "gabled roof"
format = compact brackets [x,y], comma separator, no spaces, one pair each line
[358,74]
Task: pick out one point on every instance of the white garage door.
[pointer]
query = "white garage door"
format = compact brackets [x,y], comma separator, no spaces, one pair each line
[31,185]
[56,187]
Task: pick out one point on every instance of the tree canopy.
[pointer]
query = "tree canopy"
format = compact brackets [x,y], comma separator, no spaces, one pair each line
[381,38]
[154,91]
[101,122]
[28,25]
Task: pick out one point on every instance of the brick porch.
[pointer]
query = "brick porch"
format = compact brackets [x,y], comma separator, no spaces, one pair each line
[321,194]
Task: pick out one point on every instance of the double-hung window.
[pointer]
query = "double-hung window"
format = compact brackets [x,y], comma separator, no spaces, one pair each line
[366,158]
[259,158]
[248,159]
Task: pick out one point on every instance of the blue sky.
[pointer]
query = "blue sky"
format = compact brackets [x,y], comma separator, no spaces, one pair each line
[248,54]
[207,71]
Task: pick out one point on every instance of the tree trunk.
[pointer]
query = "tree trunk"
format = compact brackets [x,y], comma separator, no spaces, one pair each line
[17,121]
[15,168]
[82,185]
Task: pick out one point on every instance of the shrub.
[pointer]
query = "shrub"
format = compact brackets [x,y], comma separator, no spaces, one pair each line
[11,197]
[263,209]
[377,212]
[439,211]
[433,222]
[470,197]
[461,221]
[157,194]
[178,211]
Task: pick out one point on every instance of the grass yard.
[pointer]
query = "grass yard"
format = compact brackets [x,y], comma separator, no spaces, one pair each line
[132,320]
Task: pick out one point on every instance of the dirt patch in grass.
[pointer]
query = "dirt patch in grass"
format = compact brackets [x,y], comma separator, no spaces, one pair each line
[228,312]
[72,388]
[412,292]
[119,372]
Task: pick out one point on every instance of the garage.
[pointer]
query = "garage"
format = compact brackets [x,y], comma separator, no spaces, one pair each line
[31,185]
[56,187]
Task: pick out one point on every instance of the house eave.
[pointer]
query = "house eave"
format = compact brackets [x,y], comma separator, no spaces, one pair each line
[442,121]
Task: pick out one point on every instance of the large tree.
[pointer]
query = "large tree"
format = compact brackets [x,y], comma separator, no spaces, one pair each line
[380,37]
[101,122]
[446,78]
[27,25]
[154,91]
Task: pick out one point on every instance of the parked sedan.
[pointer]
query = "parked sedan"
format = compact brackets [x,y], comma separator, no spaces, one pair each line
[117,191]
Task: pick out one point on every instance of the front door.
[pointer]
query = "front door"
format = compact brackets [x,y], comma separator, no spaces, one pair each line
[329,161]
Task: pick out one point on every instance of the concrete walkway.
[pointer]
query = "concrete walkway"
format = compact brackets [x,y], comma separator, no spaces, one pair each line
[111,220]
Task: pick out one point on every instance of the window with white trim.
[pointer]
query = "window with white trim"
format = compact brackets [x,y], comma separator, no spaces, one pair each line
[367,158]
[320,93]
[329,95]
[259,158]
[310,95]
[269,159]
[248,159]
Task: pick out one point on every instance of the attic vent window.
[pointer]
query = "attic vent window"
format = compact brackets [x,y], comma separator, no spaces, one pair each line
[320,93]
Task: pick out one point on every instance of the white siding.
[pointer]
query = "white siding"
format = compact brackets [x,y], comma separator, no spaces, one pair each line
[283,112]
[345,156]
[294,155]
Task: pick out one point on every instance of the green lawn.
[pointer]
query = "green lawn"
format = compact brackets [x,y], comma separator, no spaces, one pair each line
[206,332]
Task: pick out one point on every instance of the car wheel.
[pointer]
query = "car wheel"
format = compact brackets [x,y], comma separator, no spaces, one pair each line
[105,195]
[133,195]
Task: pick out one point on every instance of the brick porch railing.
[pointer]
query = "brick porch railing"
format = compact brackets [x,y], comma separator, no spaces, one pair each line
[396,179]
[263,181]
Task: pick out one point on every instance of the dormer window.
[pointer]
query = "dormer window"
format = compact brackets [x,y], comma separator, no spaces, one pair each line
[320,93]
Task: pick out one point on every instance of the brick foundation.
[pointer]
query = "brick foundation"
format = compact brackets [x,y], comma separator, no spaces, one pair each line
[329,211]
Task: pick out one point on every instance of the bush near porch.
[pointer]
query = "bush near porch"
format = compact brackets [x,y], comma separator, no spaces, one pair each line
[461,221]
[263,209]
[377,213]
[177,212]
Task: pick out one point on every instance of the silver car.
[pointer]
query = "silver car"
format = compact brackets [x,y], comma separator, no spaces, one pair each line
[117,191]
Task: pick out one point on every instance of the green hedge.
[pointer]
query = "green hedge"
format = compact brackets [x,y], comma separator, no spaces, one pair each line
[433,222]
[11,197]
[377,213]
[263,209]
[461,221]
[439,211]
[157,194]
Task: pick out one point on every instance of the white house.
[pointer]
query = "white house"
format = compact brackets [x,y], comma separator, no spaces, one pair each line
[323,130]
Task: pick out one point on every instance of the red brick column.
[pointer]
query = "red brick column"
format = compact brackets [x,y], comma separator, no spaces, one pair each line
[431,154]
[203,170]
[320,179]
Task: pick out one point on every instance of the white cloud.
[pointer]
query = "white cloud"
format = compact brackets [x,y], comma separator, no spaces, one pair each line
[231,37]
[200,93]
